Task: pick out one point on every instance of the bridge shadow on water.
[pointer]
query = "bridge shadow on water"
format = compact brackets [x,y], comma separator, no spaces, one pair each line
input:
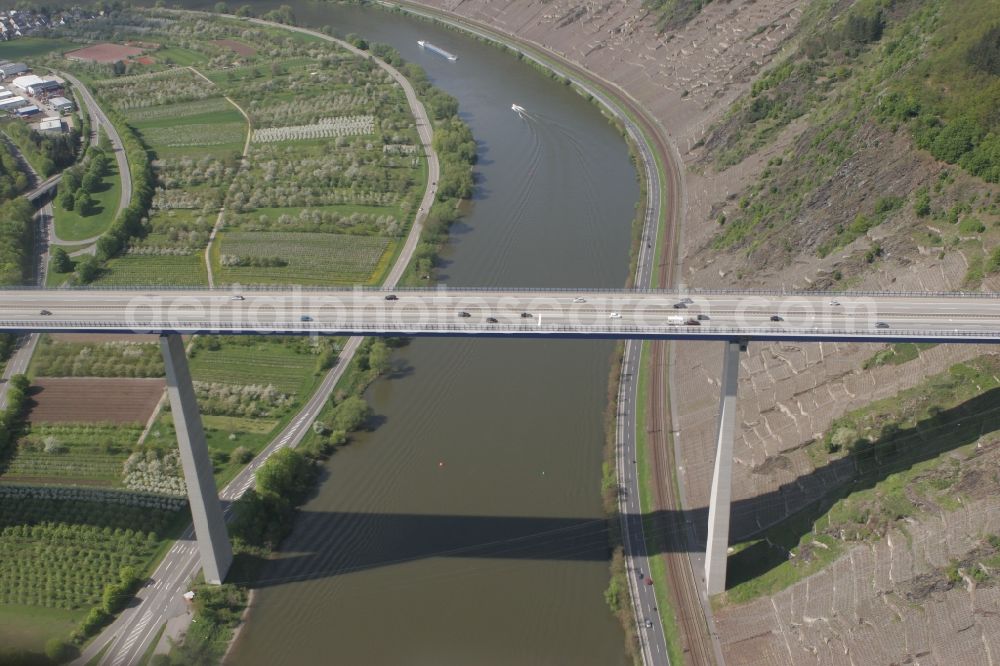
[328,544]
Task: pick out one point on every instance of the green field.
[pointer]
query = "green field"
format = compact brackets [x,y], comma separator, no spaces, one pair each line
[72,226]
[28,627]
[179,110]
[28,47]
[309,259]
[197,132]
[132,271]
[179,56]
[260,363]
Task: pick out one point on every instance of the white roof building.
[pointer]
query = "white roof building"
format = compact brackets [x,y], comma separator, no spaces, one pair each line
[6,94]
[12,103]
[23,82]
[53,125]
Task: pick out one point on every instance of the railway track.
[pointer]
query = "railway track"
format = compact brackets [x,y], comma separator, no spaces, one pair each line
[685,596]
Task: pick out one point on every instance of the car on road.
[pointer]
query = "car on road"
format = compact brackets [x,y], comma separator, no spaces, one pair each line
[649,581]
[649,624]
[777,318]
[639,573]
[526,315]
[463,313]
[492,320]
[579,299]
[44,312]
[615,315]
[680,306]
[834,302]
[236,297]
[703,317]
[391,297]
[305,318]
[692,322]
[881,324]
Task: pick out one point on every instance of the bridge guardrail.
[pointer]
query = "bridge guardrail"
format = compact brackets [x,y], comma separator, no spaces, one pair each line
[346,328]
[249,289]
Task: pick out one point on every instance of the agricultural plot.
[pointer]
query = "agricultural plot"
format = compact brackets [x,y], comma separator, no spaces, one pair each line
[181,110]
[298,258]
[153,89]
[356,220]
[89,400]
[217,132]
[196,134]
[287,365]
[155,271]
[106,359]
[326,128]
[59,548]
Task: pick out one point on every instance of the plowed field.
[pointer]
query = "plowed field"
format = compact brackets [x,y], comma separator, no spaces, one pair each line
[91,400]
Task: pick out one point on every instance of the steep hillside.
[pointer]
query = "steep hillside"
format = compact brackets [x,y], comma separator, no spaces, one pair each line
[830,144]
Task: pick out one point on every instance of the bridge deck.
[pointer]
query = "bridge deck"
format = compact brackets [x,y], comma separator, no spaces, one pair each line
[618,314]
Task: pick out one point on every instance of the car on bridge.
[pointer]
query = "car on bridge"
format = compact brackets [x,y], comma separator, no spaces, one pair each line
[391,297]
[579,299]
[526,315]
[305,318]
[680,306]
[881,324]
[492,320]
[615,315]
[463,313]
[777,318]
[236,297]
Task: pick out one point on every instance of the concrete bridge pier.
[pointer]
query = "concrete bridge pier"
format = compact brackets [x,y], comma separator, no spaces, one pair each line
[717,546]
[206,510]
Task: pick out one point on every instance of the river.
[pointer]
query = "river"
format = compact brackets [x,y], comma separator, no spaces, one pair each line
[467,528]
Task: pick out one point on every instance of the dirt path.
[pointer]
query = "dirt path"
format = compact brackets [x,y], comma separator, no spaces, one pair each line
[243,165]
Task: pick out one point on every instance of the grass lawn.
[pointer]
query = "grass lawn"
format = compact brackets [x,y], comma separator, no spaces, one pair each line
[179,56]
[72,226]
[28,627]
[132,270]
[34,46]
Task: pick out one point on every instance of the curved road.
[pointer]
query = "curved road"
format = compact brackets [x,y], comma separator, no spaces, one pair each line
[97,118]
[160,600]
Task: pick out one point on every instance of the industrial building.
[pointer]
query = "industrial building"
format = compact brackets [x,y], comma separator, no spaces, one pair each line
[22,82]
[50,126]
[6,94]
[12,103]
[46,86]
[62,105]
[29,110]
[13,69]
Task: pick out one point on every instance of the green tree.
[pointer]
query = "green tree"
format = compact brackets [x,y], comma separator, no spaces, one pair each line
[66,199]
[286,474]
[84,203]
[351,414]
[87,269]
[61,263]
[91,181]
[220,8]
[378,357]
[59,650]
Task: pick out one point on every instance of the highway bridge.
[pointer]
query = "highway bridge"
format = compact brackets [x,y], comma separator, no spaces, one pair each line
[576,313]
[734,317]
